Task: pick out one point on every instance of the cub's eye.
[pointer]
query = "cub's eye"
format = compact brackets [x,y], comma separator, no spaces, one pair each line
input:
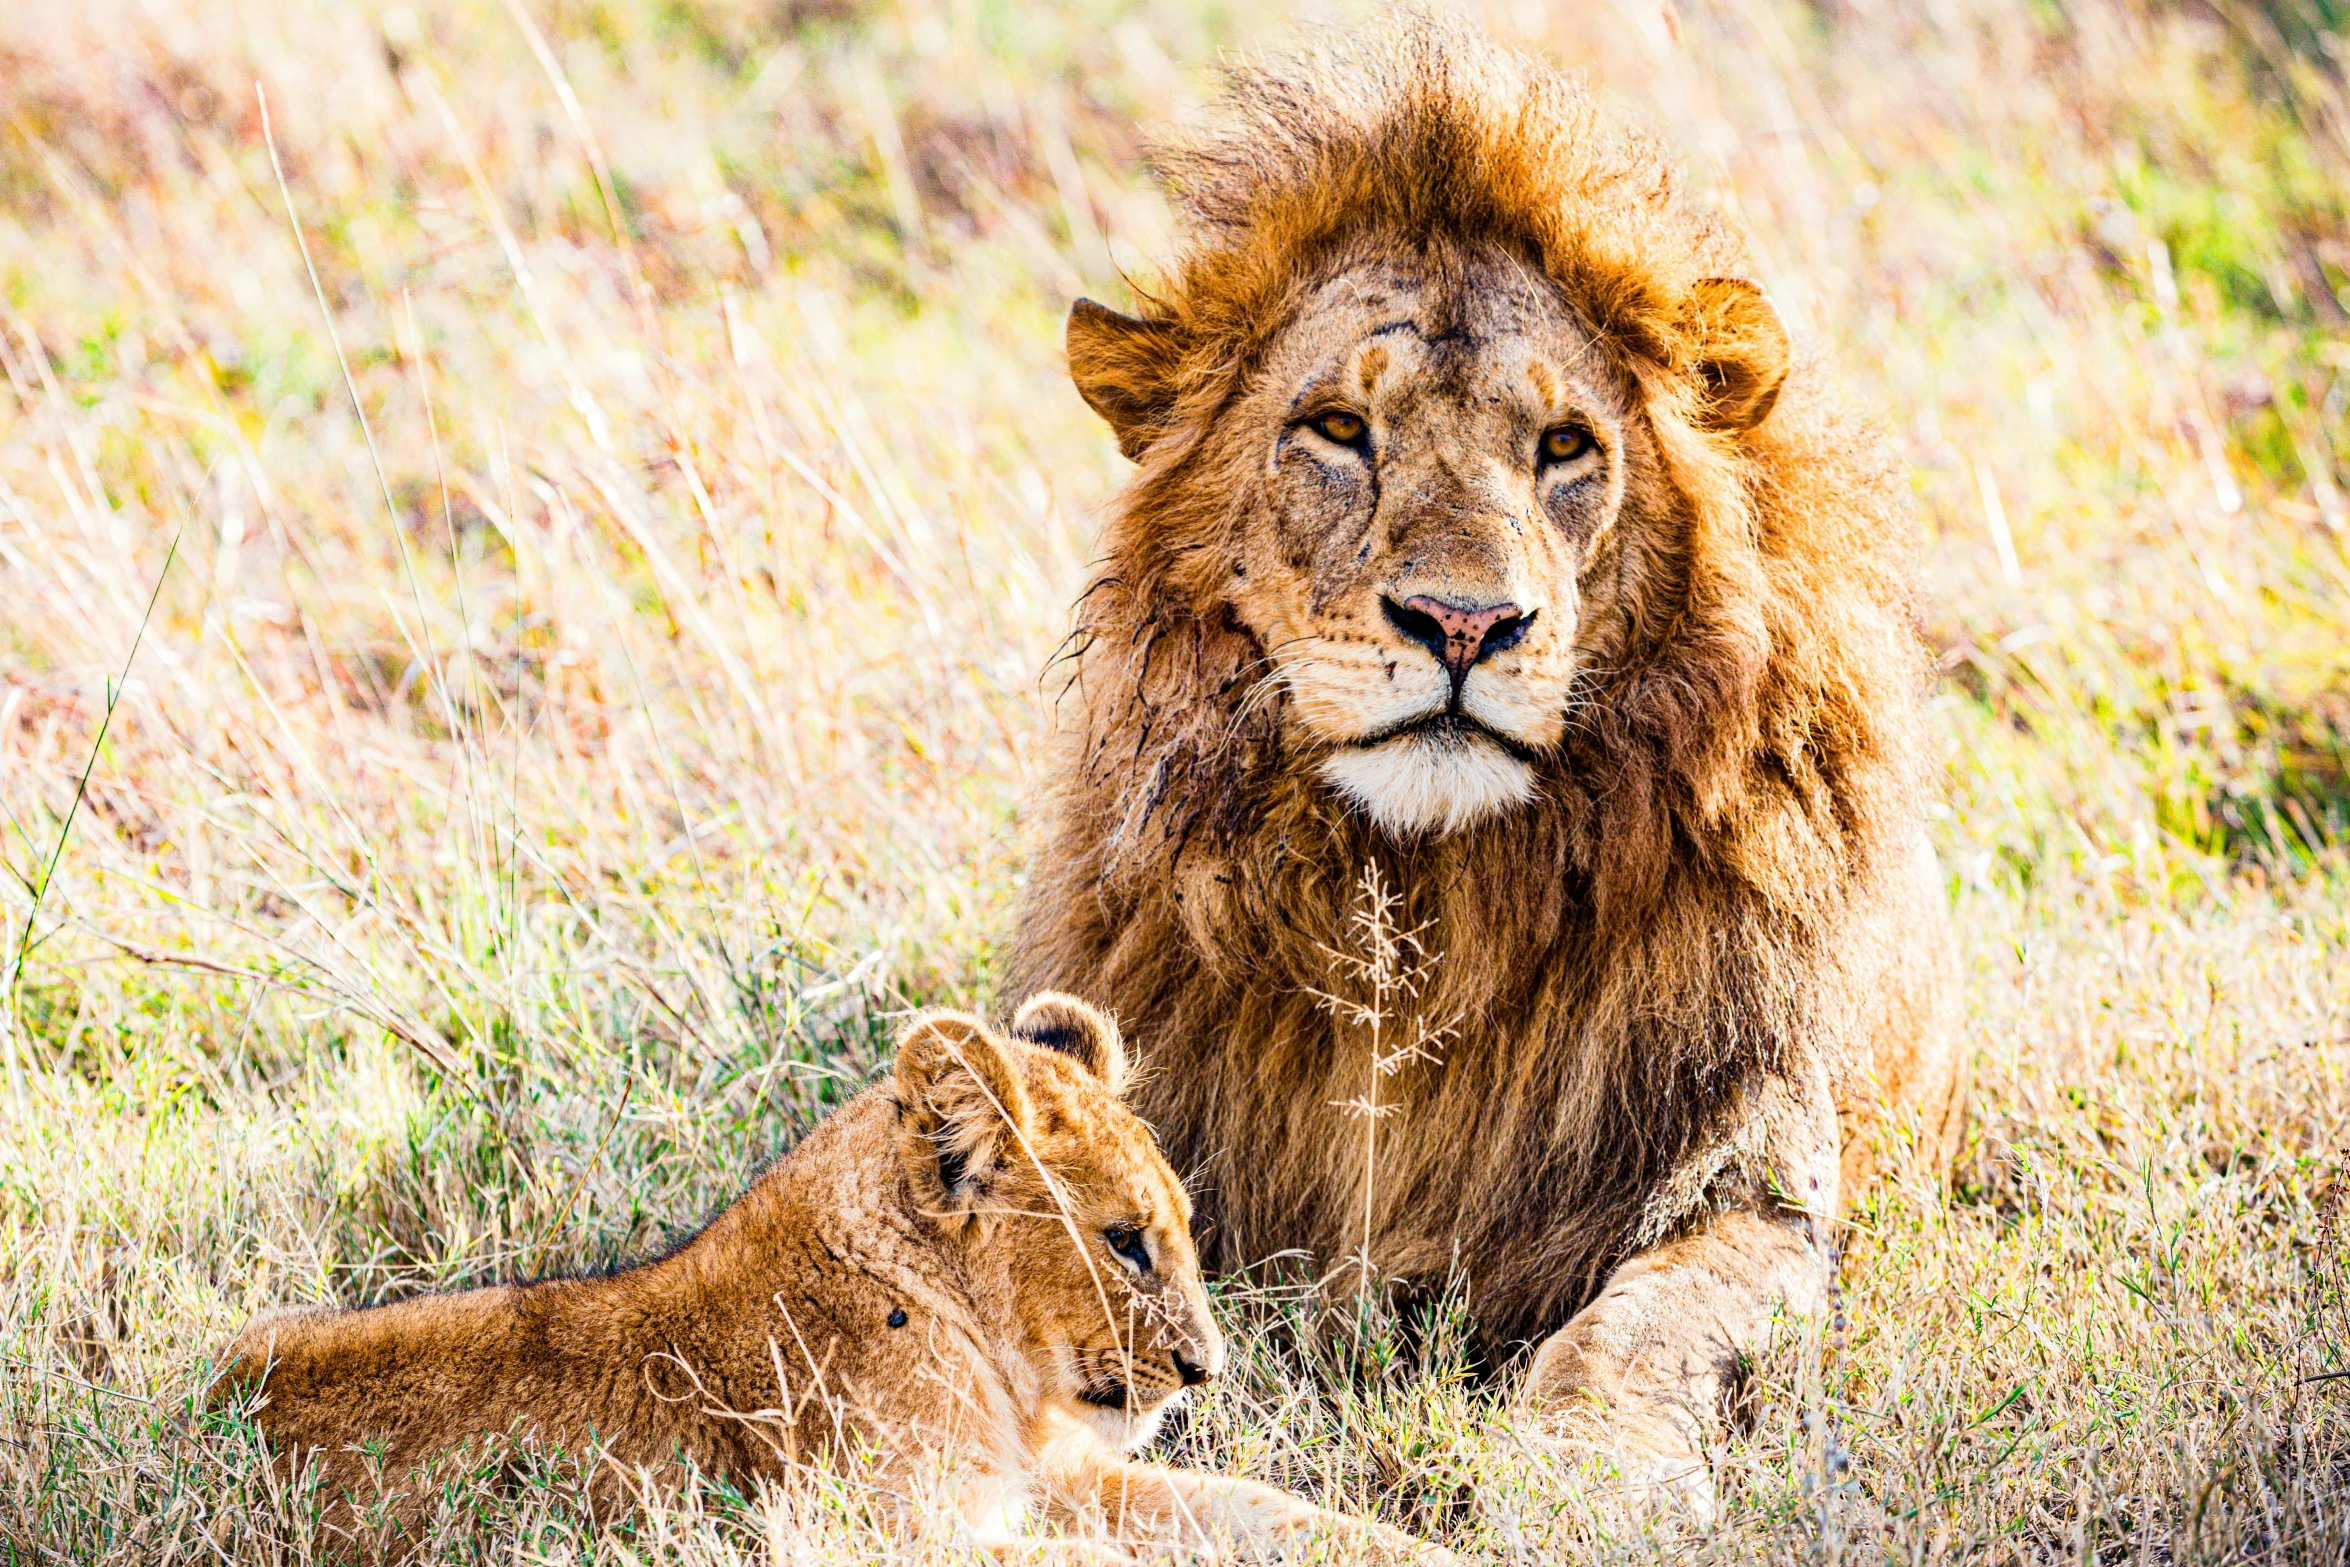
[1339,426]
[1128,1243]
[1564,443]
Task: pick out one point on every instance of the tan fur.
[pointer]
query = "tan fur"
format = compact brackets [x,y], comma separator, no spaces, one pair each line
[925,1283]
[1695,959]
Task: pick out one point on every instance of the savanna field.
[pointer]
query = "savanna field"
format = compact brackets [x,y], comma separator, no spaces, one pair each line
[533,538]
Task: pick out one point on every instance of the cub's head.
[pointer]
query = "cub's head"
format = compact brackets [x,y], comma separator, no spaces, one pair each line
[1018,1149]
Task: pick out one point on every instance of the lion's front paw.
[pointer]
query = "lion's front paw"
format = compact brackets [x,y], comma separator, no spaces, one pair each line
[1584,1405]
[1649,1455]
[1667,1483]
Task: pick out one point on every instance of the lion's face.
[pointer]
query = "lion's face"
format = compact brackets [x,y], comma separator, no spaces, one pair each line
[1442,466]
[1023,1149]
[1437,482]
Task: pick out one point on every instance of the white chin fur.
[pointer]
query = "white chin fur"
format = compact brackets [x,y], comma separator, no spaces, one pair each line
[1422,783]
[1121,1430]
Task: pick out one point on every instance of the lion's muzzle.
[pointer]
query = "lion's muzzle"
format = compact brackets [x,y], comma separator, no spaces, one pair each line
[1459,635]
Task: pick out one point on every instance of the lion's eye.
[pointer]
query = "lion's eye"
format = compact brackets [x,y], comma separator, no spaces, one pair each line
[1128,1243]
[1565,443]
[1340,427]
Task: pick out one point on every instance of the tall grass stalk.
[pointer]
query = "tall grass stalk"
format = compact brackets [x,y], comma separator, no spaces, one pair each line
[1382,971]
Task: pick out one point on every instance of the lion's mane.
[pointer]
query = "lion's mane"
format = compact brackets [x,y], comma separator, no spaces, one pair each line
[1635,968]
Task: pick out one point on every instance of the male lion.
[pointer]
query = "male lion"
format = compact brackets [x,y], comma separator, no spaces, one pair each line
[980,1274]
[1482,539]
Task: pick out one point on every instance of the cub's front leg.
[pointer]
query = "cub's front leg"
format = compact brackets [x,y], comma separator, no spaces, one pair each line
[1142,1505]
[1642,1374]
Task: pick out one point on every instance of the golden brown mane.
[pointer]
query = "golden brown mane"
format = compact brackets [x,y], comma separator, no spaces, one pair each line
[1635,963]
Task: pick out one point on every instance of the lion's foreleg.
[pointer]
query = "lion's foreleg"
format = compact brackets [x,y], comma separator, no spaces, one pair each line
[1642,1375]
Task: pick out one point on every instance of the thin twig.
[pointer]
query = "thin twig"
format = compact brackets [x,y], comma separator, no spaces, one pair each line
[62,1376]
[546,1241]
[25,944]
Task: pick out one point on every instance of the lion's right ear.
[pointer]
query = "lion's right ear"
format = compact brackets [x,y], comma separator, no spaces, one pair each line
[1743,351]
[1082,1033]
[963,1111]
[1125,369]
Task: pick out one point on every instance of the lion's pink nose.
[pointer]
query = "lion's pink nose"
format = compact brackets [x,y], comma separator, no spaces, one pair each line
[1458,634]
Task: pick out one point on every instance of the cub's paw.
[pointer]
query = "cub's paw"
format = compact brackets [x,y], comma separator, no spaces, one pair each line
[1365,1541]
[1395,1545]
[1066,1553]
[1382,1544]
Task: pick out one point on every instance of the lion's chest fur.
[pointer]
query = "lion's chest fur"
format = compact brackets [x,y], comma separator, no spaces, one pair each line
[1557,1092]
[1417,1148]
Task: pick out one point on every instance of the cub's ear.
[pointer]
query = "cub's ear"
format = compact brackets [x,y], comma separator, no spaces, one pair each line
[1743,353]
[1125,370]
[1082,1033]
[963,1111]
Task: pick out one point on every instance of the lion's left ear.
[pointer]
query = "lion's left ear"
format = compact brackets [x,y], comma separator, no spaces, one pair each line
[1125,369]
[1743,351]
[1084,1034]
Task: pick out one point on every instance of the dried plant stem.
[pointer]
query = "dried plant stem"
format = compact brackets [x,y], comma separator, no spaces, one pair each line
[1383,968]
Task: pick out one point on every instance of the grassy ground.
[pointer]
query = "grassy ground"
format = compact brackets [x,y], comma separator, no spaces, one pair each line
[519,650]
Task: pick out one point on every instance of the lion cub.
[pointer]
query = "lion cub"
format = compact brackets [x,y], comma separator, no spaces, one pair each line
[980,1272]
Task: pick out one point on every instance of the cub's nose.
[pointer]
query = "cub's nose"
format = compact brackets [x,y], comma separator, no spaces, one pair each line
[1458,634]
[1192,1373]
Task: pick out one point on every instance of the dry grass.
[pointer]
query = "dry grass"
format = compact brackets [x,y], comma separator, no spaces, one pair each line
[528,804]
